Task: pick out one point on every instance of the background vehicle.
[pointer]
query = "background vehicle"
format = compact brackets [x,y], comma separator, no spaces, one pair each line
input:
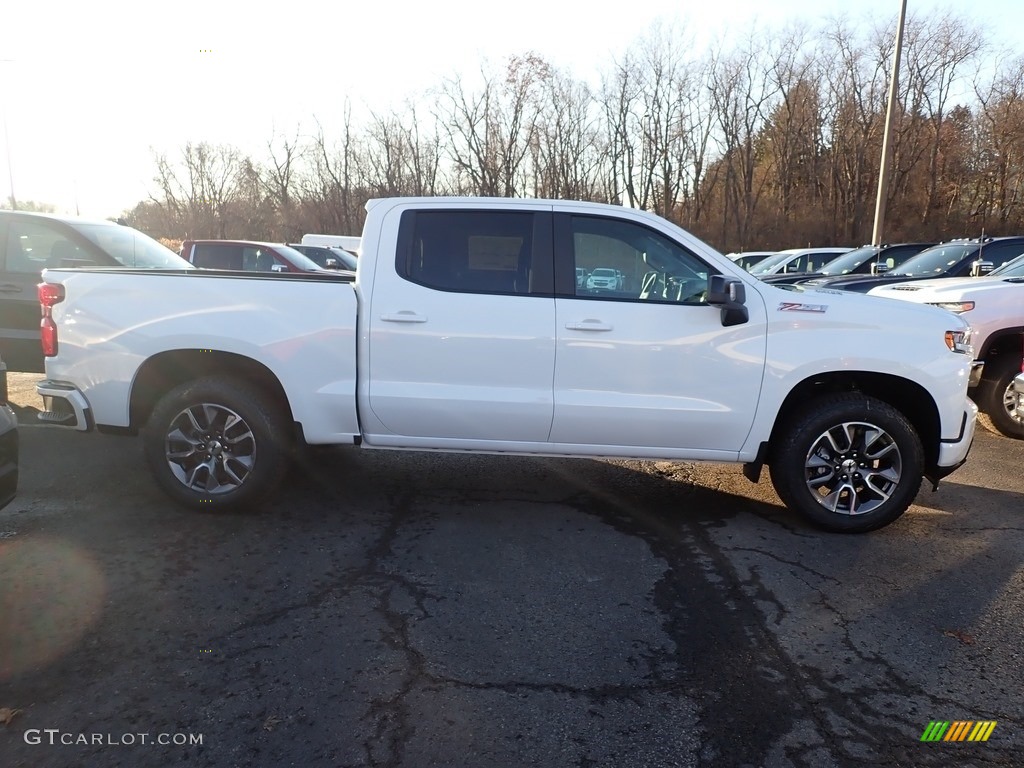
[32,242]
[748,259]
[994,306]
[246,256]
[604,279]
[328,256]
[957,258]
[797,260]
[349,243]
[869,259]
[466,332]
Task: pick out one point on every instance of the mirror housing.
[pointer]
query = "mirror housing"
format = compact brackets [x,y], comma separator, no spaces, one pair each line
[730,294]
[981,267]
[879,268]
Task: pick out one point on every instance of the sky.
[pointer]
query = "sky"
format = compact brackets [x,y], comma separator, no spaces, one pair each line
[89,91]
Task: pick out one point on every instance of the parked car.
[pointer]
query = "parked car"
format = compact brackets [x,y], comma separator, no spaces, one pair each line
[32,242]
[328,256]
[956,258]
[748,259]
[866,260]
[246,256]
[604,279]
[8,444]
[994,307]
[797,260]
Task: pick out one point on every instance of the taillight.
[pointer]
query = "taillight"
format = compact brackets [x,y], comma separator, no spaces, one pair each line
[49,295]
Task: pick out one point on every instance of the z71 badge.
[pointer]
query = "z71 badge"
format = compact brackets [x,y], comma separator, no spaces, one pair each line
[795,306]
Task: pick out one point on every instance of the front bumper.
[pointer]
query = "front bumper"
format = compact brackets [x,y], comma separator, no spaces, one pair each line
[953,451]
[64,405]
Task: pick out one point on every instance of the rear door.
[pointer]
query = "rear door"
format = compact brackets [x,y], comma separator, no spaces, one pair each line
[649,365]
[461,326]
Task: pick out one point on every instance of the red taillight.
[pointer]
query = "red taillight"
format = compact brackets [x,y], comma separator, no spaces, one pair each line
[49,294]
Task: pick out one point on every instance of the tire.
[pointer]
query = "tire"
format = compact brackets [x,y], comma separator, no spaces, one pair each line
[217,444]
[848,463]
[999,403]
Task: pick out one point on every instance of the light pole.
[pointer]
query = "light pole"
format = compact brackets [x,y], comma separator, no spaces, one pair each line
[883,171]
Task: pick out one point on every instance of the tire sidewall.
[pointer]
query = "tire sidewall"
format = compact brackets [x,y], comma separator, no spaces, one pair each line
[272,447]
[993,391]
[787,466]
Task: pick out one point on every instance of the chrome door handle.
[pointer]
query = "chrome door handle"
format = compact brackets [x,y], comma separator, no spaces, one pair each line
[588,325]
[404,316]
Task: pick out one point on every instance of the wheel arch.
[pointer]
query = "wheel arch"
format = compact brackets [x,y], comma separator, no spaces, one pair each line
[906,396]
[164,371]
[1005,342]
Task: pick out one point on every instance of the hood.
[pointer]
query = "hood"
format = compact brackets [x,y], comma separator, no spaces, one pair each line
[941,289]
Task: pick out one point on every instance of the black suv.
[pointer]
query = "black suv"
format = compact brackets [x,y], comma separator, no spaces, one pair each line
[956,258]
[32,242]
[866,260]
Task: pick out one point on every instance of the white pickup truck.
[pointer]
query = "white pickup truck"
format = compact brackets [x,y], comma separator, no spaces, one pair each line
[994,307]
[465,329]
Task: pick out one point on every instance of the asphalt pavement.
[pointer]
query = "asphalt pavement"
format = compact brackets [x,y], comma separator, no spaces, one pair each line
[403,609]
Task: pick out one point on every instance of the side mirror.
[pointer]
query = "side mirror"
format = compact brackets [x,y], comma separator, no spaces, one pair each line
[279,268]
[731,295]
[879,268]
[979,268]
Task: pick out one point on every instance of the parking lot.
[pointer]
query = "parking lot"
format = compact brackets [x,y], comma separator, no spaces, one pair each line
[401,609]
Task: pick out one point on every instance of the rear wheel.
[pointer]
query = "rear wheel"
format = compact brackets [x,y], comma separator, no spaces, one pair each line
[999,402]
[848,463]
[217,444]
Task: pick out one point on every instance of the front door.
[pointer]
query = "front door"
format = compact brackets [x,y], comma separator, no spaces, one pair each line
[648,364]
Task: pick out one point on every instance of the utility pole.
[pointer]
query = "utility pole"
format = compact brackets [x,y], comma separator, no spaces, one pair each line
[883,171]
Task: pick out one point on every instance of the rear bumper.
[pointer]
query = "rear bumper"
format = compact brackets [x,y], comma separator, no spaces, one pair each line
[64,405]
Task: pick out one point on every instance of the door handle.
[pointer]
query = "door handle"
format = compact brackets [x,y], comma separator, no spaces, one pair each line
[405,316]
[588,325]
[10,288]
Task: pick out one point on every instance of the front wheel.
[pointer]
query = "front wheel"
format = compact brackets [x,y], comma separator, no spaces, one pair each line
[1001,403]
[217,444]
[848,463]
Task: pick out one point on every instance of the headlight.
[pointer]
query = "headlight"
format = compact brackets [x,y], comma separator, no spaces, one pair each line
[960,342]
[953,306]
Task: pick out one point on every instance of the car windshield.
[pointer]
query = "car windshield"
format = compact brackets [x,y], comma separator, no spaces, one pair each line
[1013,268]
[348,261]
[934,260]
[768,265]
[603,273]
[300,260]
[849,261]
[131,248]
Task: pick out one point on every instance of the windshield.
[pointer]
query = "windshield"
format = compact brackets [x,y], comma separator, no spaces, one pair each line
[935,260]
[131,248]
[769,264]
[603,273]
[347,259]
[300,260]
[1013,268]
[849,261]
